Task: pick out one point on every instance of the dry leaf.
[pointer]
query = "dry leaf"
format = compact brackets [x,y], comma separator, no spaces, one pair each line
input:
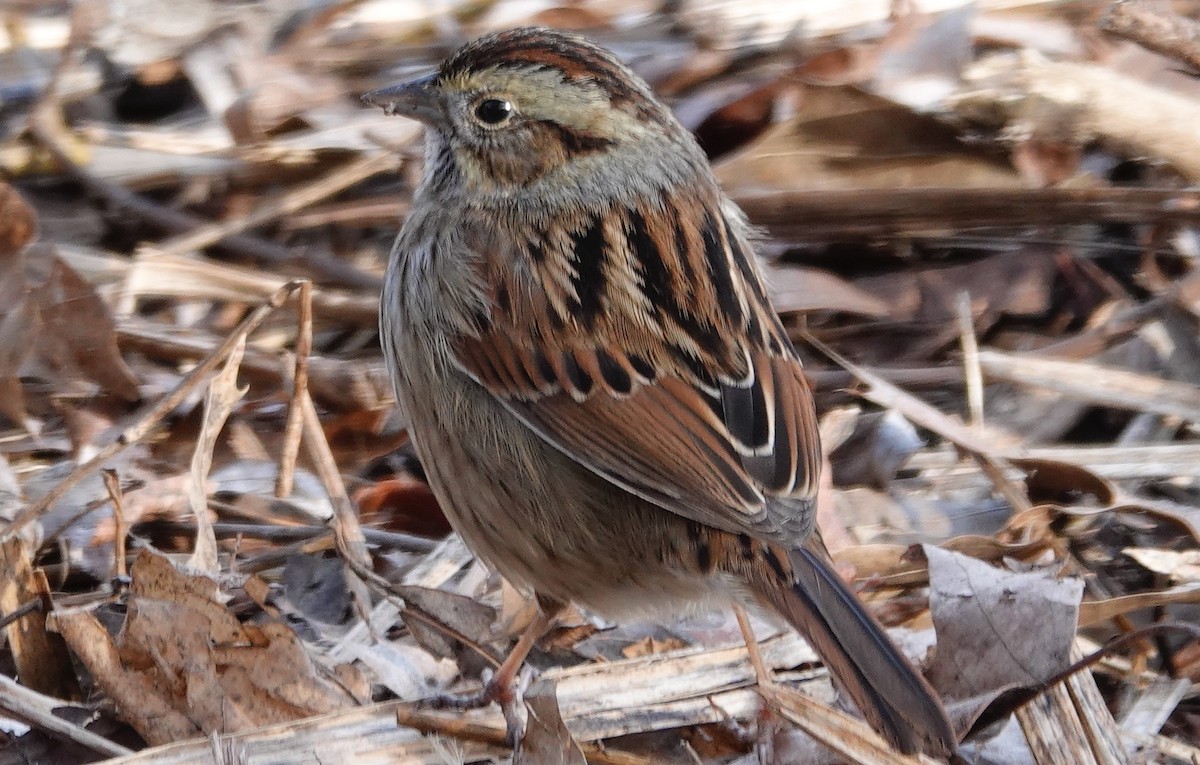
[547,740]
[1012,284]
[1180,566]
[881,444]
[797,289]
[408,671]
[183,665]
[80,337]
[402,504]
[843,138]
[996,628]
[461,613]
[650,645]
[19,319]
[222,396]
[18,225]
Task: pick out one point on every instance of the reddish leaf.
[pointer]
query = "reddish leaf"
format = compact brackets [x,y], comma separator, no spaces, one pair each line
[402,504]
[80,335]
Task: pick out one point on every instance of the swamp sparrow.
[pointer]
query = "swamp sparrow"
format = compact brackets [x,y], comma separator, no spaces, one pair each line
[599,389]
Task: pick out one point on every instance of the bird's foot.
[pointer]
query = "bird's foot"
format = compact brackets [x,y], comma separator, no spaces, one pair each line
[507,693]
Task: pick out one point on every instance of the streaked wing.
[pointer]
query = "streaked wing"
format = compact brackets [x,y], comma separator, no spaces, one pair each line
[641,343]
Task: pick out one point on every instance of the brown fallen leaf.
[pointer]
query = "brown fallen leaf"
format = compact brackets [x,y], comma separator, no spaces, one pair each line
[40,657]
[1012,284]
[139,700]
[402,504]
[19,329]
[547,740]
[798,289]
[79,337]
[18,225]
[844,138]
[459,613]
[19,319]
[182,665]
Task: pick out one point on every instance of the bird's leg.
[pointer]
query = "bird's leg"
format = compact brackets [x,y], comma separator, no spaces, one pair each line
[763,736]
[761,673]
[502,687]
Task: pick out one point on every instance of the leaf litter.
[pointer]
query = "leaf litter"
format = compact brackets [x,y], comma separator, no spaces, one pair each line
[977,225]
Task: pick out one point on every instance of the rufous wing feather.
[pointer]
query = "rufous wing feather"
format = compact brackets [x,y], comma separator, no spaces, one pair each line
[644,347]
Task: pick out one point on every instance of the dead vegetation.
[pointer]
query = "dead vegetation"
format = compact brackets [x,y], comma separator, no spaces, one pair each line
[980,225]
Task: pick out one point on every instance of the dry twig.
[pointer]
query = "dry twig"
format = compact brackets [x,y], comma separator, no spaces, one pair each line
[293,428]
[1162,32]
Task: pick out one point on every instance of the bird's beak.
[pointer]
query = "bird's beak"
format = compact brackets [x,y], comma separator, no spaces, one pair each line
[416,100]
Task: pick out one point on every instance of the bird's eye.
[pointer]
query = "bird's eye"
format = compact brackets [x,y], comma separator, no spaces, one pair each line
[494,111]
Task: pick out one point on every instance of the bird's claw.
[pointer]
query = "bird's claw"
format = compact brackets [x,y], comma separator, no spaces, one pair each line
[509,696]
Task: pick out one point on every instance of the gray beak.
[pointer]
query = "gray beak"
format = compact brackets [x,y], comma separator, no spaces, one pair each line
[416,100]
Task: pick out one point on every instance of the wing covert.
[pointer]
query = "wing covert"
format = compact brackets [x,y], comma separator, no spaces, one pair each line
[643,345]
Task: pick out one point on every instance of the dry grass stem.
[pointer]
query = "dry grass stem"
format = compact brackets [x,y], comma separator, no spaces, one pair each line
[347,532]
[970,350]
[37,710]
[294,426]
[206,236]
[112,484]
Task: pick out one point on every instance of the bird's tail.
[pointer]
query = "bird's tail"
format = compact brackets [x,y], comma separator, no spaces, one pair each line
[865,664]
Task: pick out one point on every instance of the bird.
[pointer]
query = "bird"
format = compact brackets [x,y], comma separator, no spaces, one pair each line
[605,402]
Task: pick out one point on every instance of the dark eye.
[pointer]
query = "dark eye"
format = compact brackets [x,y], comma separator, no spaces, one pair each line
[493,111]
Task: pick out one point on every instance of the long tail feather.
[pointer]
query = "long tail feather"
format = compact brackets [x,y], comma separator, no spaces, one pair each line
[865,664]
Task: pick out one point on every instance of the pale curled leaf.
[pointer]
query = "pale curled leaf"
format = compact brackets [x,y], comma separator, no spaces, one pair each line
[997,627]
[1179,565]
[222,396]
[406,670]
[1079,103]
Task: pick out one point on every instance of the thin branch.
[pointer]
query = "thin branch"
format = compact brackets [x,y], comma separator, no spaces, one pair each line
[26,608]
[343,177]
[820,214]
[112,483]
[970,349]
[455,726]
[294,426]
[36,709]
[1168,34]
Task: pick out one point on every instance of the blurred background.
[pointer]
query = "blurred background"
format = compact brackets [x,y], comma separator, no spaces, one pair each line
[978,220]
